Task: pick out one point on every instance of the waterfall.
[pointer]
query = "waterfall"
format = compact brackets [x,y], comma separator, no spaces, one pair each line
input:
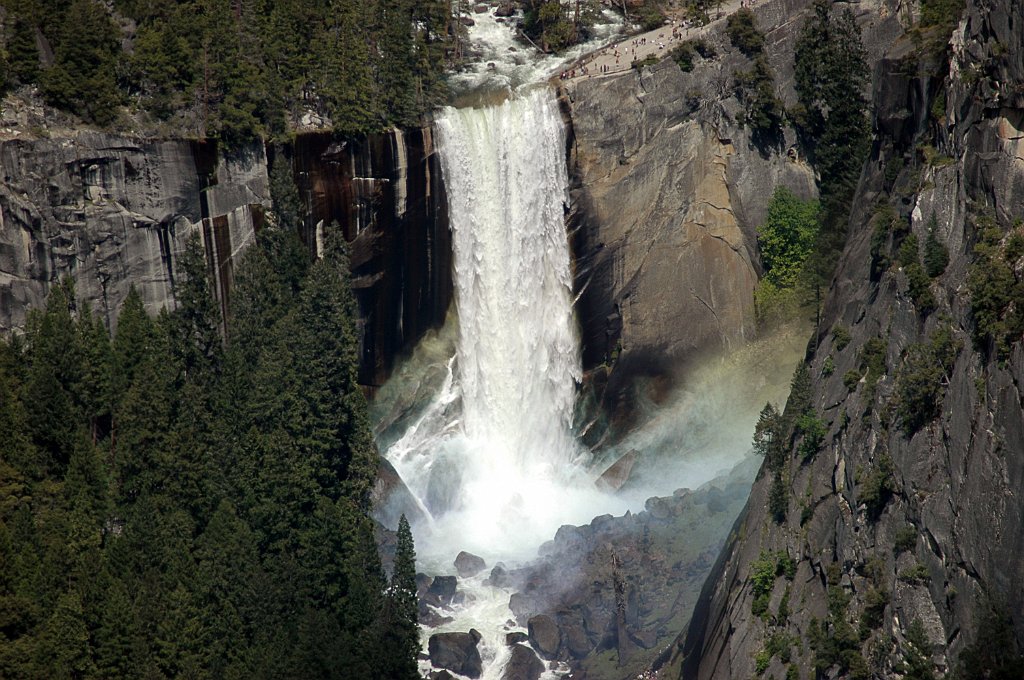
[518,351]
[493,460]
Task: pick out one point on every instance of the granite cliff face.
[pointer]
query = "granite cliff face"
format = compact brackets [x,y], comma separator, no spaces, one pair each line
[905,528]
[114,211]
[668,191]
[387,195]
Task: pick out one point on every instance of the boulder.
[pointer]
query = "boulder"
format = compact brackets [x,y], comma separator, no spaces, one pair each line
[468,564]
[544,636]
[442,590]
[500,577]
[441,675]
[430,617]
[456,652]
[516,637]
[523,665]
[576,641]
[505,9]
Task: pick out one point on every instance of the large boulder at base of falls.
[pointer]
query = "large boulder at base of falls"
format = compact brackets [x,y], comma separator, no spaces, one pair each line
[523,665]
[544,636]
[456,652]
[617,473]
[441,591]
[468,564]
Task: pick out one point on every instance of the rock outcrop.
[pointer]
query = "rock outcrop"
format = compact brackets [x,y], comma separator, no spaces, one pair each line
[668,192]
[903,532]
[456,652]
[669,189]
[606,597]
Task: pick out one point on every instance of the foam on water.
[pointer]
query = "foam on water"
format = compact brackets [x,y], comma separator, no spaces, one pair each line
[501,60]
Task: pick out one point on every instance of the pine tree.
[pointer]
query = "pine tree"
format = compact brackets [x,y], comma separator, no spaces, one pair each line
[345,69]
[64,650]
[396,70]
[333,422]
[226,576]
[131,343]
[22,53]
[768,434]
[94,392]
[831,81]
[53,376]
[402,635]
[198,314]
[82,76]
[116,644]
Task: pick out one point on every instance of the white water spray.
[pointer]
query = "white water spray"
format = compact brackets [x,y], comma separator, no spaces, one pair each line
[493,459]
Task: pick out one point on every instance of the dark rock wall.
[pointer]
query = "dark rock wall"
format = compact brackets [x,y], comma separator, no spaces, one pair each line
[387,195]
[948,143]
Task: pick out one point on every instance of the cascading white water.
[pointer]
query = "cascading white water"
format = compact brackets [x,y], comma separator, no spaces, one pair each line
[493,459]
[518,354]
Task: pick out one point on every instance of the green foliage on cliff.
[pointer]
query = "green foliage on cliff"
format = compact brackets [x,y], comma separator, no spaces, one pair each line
[763,110]
[755,87]
[831,73]
[785,241]
[235,70]
[688,50]
[936,255]
[173,505]
[743,33]
[786,238]
[997,289]
[922,381]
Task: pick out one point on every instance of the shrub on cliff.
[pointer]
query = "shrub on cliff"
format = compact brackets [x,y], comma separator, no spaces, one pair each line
[997,291]
[785,241]
[743,32]
[922,381]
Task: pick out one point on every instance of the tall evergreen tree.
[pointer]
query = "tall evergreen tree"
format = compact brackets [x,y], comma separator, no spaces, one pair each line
[345,69]
[64,650]
[402,635]
[831,83]
[82,76]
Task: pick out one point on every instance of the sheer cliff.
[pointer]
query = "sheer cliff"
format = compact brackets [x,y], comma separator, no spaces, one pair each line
[114,210]
[897,549]
[670,188]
